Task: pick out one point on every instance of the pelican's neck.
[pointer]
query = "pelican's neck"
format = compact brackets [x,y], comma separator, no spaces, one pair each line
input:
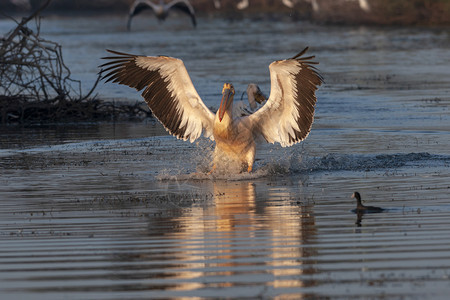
[224,129]
[226,108]
[252,102]
[251,97]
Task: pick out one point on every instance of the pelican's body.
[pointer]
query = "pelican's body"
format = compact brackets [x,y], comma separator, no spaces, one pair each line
[235,139]
[286,117]
[161,10]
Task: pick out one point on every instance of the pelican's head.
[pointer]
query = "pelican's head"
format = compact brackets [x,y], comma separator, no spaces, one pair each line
[227,99]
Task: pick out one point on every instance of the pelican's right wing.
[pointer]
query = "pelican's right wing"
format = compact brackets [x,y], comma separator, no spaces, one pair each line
[168,91]
[288,114]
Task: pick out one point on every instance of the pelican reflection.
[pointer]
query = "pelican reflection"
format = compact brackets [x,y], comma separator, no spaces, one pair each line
[245,230]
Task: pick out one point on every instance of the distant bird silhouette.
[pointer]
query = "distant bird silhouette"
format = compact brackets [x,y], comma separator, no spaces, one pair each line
[161,10]
[361,209]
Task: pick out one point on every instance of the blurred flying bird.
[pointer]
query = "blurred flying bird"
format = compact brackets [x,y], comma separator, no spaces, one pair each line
[286,117]
[161,10]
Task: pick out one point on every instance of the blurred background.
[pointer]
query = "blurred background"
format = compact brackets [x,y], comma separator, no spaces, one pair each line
[382,12]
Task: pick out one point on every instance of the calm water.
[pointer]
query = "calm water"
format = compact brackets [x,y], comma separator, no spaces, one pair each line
[123,211]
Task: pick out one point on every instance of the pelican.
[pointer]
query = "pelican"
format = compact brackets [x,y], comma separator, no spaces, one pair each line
[242,4]
[286,117]
[217,4]
[363,4]
[288,3]
[254,96]
[161,10]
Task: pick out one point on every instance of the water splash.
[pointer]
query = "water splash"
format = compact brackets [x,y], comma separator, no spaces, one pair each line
[300,163]
[353,162]
[175,160]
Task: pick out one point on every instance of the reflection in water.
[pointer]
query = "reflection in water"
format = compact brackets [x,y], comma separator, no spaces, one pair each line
[242,240]
[359,216]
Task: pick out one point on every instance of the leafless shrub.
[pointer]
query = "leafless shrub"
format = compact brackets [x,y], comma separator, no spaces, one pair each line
[36,86]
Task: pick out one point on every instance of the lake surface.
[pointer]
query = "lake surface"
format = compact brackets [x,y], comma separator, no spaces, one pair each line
[124,211]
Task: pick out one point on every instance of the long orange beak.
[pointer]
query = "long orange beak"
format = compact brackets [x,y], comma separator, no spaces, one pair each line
[227,99]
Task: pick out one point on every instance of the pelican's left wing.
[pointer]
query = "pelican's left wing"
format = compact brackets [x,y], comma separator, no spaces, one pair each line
[168,91]
[288,114]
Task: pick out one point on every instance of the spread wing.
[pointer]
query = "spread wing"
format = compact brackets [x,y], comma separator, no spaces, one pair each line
[288,114]
[167,89]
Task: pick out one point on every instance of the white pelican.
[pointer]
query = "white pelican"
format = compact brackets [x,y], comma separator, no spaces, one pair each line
[254,96]
[288,3]
[363,4]
[286,117]
[217,4]
[161,10]
[243,4]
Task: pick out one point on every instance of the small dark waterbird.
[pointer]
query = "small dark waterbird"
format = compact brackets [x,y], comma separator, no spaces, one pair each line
[361,209]
[161,10]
